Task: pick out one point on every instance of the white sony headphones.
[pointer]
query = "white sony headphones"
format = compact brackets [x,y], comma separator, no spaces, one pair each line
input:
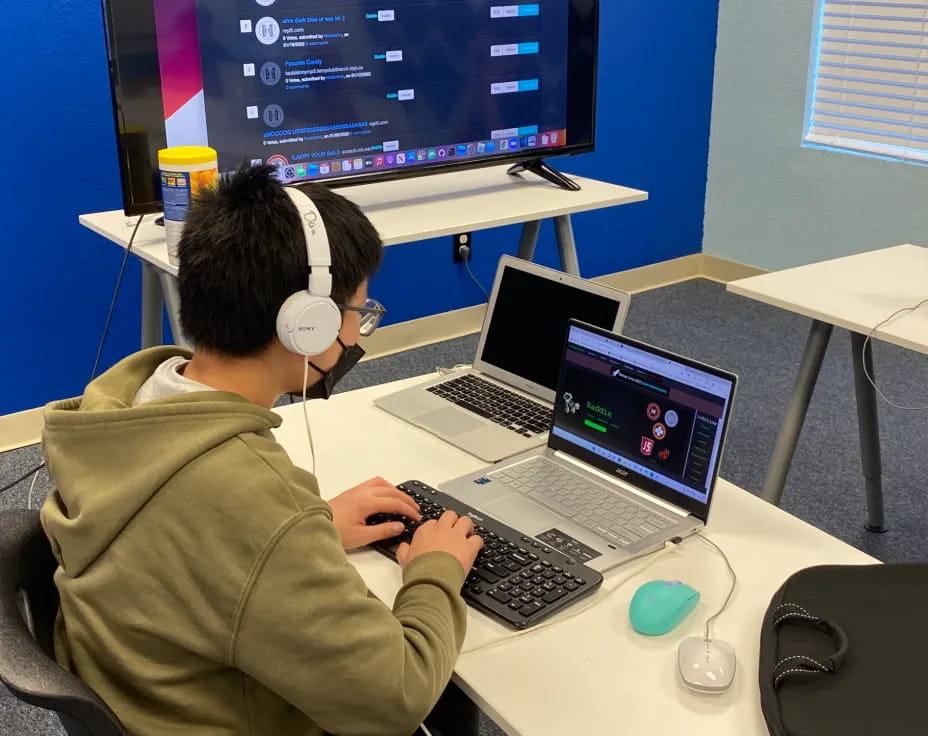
[308,321]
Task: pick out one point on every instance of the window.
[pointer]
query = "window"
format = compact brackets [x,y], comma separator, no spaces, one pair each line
[869,90]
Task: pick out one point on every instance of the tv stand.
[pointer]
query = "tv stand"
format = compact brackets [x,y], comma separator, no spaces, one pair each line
[538,167]
[403,211]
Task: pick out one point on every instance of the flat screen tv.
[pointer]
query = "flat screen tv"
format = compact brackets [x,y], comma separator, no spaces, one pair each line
[350,91]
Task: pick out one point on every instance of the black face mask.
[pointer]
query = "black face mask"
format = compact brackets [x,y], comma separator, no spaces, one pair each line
[349,358]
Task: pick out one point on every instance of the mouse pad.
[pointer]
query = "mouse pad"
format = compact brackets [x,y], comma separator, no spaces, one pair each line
[449,421]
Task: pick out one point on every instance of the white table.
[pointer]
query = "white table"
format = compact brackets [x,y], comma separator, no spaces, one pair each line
[591,674]
[857,293]
[403,211]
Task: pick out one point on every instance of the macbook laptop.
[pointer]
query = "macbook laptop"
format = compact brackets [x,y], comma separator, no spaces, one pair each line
[502,405]
[632,457]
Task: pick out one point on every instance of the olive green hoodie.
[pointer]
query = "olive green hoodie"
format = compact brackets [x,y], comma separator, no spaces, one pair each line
[204,588]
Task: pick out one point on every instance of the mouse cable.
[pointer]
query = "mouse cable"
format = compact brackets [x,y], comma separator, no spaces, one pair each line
[731,590]
[863,358]
[23,477]
[601,596]
[109,314]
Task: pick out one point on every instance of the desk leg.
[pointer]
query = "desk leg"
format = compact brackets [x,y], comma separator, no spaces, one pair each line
[151,333]
[869,429]
[566,246]
[172,304]
[528,240]
[791,426]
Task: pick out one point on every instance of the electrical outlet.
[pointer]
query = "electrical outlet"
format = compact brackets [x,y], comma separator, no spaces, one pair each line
[456,242]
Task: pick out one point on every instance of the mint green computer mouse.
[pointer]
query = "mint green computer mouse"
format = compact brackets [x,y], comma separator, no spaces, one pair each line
[660,605]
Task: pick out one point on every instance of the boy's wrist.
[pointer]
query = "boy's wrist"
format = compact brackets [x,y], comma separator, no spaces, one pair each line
[435,564]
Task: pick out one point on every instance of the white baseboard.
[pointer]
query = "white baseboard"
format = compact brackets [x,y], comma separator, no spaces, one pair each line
[21,429]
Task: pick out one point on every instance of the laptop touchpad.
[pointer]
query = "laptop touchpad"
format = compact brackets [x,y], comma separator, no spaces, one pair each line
[449,420]
[521,513]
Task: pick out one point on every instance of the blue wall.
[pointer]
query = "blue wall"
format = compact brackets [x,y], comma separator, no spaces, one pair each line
[58,156]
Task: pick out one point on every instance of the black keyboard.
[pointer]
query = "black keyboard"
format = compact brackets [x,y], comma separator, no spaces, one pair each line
[502,406]
[516,579]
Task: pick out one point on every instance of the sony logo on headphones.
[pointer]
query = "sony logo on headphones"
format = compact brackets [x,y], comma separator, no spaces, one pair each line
[305,328]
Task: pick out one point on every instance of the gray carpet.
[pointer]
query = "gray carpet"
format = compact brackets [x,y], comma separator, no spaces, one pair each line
[763,346]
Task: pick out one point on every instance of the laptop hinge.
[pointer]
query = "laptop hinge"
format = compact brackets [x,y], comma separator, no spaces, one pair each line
[622,484]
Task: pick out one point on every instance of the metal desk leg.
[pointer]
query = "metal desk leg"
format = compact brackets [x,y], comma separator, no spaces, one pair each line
[791,426]
[528,240]
[566,245]
[151,333]
[869,428]
[172,304]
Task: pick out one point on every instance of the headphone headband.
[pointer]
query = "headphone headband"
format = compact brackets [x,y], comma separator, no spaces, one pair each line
[318,254]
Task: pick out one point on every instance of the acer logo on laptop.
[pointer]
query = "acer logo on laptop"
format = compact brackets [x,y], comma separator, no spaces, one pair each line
[621,471]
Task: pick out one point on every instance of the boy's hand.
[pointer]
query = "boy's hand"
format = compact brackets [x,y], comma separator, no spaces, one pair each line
[375,496]
[451,533]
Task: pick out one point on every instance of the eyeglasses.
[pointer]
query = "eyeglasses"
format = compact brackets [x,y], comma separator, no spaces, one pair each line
[371,314]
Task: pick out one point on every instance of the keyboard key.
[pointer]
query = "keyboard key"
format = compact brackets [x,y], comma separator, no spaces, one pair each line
[531,609]
[495,569]
[554,595]
[500,595]
[487,576]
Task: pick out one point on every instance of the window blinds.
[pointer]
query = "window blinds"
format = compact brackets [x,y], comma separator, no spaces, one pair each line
[870,79]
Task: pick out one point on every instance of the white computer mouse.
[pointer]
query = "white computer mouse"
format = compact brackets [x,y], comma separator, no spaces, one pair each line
[706,666]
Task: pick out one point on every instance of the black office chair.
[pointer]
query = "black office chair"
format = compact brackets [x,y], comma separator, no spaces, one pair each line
[28,606]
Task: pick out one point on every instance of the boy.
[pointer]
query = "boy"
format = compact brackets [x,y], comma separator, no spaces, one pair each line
[204,584]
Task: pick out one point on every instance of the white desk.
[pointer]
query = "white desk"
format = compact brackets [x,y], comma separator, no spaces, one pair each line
[856,292]
[403,211]
[591,674]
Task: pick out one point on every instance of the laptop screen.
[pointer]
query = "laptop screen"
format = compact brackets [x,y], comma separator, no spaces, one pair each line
[525,334]
[656,419]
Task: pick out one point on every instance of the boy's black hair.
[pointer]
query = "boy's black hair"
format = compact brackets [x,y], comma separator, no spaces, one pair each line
[242,253]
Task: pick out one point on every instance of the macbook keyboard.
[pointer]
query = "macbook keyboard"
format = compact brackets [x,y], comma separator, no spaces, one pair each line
[501,406]
[594,507]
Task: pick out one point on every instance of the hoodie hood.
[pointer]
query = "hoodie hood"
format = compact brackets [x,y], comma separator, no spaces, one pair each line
[108,458]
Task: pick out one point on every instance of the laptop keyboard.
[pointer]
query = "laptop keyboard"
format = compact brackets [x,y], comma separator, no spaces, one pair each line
[506,408]
[516,579]
[592,506]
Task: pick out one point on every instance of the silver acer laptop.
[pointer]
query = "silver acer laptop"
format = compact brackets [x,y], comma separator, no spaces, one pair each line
[502,405]
[632,457]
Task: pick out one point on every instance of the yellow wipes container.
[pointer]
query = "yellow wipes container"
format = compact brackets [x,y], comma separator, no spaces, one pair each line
[184,171]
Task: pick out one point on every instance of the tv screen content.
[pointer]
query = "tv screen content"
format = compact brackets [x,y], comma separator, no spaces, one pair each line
[349,91]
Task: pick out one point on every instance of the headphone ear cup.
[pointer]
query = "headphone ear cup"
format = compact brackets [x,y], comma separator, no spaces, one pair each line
[308,325]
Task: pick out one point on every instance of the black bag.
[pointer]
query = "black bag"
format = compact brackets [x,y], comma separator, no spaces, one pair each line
[844,652]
